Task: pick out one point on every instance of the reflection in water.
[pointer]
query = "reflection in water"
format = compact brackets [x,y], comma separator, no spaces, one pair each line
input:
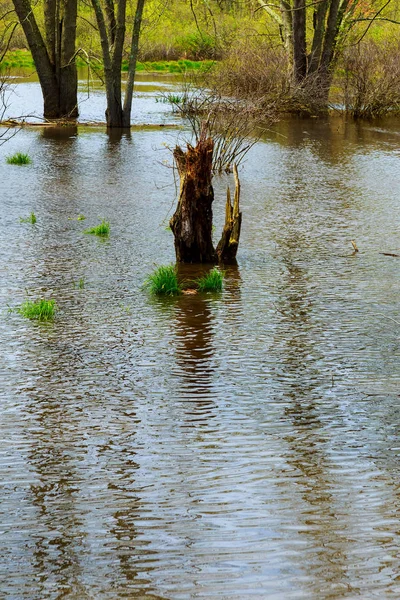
[59,534]
[115,135]
[194,331]
[194,323]
[63,135]
[306,455]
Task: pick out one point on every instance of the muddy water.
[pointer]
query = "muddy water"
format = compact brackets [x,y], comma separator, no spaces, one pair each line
[238,446]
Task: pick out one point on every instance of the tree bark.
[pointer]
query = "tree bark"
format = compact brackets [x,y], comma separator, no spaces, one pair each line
[228,245]
[192,221]
[54,62]
[112,29]
[299,41]
[132,63]
[68,76]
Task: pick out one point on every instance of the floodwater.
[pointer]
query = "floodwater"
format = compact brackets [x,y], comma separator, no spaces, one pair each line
[238,446]
[24,101]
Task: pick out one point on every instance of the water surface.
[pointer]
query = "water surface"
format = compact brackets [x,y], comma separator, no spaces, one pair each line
[237,446]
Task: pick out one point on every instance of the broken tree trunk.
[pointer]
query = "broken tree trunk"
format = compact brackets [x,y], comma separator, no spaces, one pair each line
[228,245]
[192,221]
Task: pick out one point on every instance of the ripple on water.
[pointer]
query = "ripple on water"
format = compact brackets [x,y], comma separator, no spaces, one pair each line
[242,445]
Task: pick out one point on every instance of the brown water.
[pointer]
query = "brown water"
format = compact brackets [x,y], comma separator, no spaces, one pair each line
[236,446]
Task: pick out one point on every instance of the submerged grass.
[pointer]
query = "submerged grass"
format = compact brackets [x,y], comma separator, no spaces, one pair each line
[31,219]
[103,229]
[163,282]
[41,310]
[19,158]
[80,284]
[212,282]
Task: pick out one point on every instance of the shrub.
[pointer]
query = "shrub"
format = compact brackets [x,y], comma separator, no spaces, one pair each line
[164,282]
[211,282]
[41,310]
[103,229]
[369,79]
[253,70]
[19,159]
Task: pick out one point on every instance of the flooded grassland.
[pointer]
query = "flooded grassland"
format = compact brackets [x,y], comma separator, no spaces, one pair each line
[235,446]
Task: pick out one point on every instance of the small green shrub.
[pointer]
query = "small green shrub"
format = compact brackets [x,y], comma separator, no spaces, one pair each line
[31,219]
[19,159]
[212,282]
[41,310]
[103,229]
[164,282]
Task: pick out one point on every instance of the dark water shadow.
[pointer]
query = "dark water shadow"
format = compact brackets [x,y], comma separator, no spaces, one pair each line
[115,135]
[194,330]
[60,133]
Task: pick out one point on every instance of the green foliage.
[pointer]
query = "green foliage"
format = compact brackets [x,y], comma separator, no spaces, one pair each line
[31,219]
[19,159]
[170,66]
[41,310]
[17,58]
[211,282]
[198,45]
[103,229]
[163,282]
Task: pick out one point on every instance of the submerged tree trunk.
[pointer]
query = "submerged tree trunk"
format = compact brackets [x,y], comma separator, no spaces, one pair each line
[54,58]
[228,245]
[111,24]
[192,221]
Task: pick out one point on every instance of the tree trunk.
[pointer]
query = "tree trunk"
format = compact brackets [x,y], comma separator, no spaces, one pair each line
[68,76]
[299,41]
[192,221]
[228,245]
[132,63]
[54,63]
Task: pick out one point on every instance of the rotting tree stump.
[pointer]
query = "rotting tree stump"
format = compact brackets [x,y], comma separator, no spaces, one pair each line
[191,223]
[228,244]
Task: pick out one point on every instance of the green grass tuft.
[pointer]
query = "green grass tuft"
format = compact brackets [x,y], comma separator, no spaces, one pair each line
[163,282]
[31,219]
[80,284]
[103,229]
[41,310]
[19,159]
[212,282]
